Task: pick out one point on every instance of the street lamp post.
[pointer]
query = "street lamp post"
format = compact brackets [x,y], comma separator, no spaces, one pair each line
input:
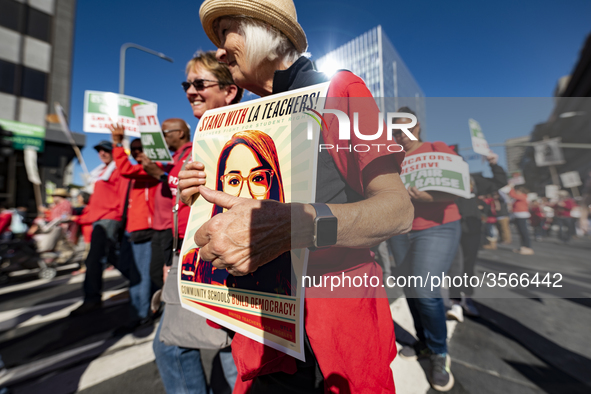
[124,48]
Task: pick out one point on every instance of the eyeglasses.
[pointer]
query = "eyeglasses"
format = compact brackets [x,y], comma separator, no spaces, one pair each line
[170,131]
[198,84]
[259,183]
[137,148]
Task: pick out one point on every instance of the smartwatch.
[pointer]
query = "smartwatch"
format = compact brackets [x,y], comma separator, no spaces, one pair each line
[325,227]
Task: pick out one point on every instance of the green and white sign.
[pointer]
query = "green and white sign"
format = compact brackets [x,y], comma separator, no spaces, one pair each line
[436,171]
[153,141]
[479,143]
[102,109]
[25,135]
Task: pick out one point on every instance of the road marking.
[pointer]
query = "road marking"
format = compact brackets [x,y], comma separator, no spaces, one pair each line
[10,319]
[61,280]
[120,355]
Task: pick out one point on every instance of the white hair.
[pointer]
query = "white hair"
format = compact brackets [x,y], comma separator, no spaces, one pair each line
[265,42]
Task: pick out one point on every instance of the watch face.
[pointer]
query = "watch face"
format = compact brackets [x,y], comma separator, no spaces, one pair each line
[326,231]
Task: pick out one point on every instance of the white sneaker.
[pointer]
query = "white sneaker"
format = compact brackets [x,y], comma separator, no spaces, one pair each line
[455,313]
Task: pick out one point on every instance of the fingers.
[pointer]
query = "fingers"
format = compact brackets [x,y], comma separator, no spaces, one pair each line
[189,182]
[189,194]
[194,165]
[191,177]
[218,198]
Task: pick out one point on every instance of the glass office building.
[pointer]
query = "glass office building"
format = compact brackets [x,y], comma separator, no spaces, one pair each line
[373,58]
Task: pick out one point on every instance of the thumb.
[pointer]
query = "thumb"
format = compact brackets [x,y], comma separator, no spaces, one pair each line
[218,198]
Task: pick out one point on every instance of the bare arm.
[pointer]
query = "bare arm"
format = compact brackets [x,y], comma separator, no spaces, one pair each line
[251,233]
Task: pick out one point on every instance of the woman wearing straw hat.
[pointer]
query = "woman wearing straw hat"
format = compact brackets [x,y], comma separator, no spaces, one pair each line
[262,42]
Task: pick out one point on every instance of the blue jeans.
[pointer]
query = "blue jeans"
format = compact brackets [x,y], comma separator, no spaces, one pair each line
[422,253]
[181,370]
[140,285]
[523,232]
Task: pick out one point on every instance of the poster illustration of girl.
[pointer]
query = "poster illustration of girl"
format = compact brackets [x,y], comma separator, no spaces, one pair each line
[248,167]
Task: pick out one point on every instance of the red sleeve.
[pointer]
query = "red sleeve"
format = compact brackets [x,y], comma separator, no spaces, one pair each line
[513,194]
[5,220]
[348,93]
[128,170]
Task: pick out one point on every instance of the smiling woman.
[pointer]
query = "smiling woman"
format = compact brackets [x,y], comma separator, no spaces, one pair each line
[209,84]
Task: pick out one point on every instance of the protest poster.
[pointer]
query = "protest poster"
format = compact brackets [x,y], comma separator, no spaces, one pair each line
[479,143]
[436,171]
[571,179]
[517,179]
[153,142]
[258,149]
[102,109]
[548,152]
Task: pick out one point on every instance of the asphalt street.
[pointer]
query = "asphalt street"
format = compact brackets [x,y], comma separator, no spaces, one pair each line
[527,340]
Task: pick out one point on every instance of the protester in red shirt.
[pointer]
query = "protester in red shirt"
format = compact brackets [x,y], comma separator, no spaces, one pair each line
[562,214]
[178,138]
[104,212]
[139,222]
[429,249]
[351,185]
[61,209]
[521,215]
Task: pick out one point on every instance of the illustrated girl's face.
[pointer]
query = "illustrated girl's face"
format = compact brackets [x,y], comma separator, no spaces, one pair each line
[245,175]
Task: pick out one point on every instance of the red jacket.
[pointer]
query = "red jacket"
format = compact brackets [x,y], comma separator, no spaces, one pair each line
[520,204]
[140,209]
[106,201]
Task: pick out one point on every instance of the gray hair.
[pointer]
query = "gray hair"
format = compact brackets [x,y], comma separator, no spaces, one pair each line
[265,42]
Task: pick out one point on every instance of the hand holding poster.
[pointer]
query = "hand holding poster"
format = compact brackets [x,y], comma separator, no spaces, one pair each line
[436,171]
[153,141]
[252,153]
[479,143]
[102,109]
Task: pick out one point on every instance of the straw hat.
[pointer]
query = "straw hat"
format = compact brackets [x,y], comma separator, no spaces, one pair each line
[280,14]
[60,192]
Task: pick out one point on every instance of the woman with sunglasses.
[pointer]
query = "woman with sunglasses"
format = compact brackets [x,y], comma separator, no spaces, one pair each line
[209,85]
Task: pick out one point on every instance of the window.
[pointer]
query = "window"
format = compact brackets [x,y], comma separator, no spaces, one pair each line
[7,77]
[39,25]
[34,84]
[12,14]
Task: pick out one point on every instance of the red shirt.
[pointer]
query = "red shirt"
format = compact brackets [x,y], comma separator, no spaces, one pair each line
[63,208]
[564,211]
[106,201]
[140,211]
[431,214]
[520,203]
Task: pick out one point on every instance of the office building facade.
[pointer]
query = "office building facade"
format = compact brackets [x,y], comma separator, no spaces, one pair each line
[373,58]
[36,43]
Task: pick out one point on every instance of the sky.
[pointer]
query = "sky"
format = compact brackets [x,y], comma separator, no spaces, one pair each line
[462,54]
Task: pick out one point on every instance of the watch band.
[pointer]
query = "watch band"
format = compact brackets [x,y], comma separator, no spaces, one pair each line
[324,218]
[321,209]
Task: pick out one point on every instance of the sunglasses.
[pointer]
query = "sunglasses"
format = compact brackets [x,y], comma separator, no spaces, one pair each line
[198,84]
[136,148]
